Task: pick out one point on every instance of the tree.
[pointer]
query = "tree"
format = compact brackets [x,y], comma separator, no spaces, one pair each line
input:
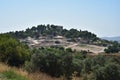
[115,48]
[12,51]
[110,71]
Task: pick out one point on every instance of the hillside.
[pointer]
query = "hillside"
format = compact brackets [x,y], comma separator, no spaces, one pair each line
[63,42]
[54,30]
[54,35]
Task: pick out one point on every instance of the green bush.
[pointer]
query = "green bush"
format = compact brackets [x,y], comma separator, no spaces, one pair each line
[58,62]
[12,51]
[55,61]
[46,61]
[115,48]
[110,71]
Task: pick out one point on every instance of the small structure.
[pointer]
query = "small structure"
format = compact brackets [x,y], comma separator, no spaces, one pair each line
[58,37]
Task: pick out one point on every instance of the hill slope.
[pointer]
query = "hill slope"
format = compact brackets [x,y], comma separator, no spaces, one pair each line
[54,30]
[54,35]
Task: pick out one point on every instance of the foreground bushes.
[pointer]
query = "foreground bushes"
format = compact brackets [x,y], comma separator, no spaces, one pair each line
[63,62]
[12,51]
[54,61]
[110,71]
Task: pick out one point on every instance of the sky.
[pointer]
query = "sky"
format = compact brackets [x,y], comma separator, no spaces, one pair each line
[101,17]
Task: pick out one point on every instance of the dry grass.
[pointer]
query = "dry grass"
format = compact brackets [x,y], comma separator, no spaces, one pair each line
[3,67]
[41,76]
[33,76]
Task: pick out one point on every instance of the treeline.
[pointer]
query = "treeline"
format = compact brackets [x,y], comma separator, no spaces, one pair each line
[54,30]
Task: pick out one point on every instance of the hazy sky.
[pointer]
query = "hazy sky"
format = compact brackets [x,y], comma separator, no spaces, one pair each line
[101,17]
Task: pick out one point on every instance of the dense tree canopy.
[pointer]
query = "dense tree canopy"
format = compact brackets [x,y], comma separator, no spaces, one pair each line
[12,51]
[73,35]
[54,30]
[57,61]
[114,48]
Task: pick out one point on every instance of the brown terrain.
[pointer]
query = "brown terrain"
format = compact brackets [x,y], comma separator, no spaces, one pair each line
[61,41]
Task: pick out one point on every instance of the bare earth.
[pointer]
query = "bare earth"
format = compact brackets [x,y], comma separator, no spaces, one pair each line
[92,48]
[44,42]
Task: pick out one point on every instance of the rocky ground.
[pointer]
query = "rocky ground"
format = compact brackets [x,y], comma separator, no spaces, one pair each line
[61,41]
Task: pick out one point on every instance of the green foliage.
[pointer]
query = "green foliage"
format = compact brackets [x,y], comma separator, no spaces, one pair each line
[69,50]
[110,71]
[103,68]
[87,65]
[11,75]
[57,61]
[115,48]
[12,51]
[54,30]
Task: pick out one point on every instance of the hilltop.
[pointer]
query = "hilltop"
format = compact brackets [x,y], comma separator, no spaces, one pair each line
[55,35]
[54,30]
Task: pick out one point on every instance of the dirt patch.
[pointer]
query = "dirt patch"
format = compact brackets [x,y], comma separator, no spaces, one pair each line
[92,48]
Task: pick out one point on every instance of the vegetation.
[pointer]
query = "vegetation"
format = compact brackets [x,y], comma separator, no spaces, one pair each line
[64,62]
[50,31]
[54,61]
[11,75]
[115,48]
[12,51]
[54,30]
[6,70]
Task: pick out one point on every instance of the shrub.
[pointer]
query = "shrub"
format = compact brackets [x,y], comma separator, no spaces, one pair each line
[115,48]
[61,62]
[12,51]
[55,61]
[110,71]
